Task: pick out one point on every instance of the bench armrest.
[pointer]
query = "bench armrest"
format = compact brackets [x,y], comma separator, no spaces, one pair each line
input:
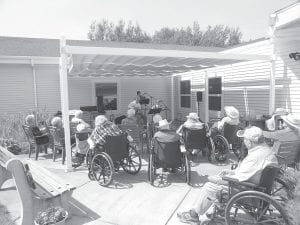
[241,183]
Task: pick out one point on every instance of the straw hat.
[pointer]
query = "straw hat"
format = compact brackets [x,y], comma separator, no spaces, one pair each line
[163,124]
[232,112]
[292,120]
[192,116]
[252,133]
[280,111]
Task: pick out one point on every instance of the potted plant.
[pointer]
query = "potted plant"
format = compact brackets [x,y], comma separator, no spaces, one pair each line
[52,216]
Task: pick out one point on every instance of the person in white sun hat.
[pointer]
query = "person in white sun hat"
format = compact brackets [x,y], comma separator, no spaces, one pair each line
[249,169]
[291,130]
[192,123]
[232,117]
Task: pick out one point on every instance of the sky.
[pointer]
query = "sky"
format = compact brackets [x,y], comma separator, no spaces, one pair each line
[53,18]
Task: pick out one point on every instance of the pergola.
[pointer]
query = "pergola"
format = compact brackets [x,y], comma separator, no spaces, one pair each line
[82,61]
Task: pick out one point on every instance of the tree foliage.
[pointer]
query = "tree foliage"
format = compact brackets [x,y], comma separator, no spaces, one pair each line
[212,36]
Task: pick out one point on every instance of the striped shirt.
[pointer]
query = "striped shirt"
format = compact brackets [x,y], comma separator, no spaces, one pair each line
[106,129]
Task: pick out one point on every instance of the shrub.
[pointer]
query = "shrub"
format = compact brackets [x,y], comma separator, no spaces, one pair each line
[293,205]
[51,216]
[11,132]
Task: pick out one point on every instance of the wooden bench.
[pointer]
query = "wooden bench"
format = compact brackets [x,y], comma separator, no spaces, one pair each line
[48,189]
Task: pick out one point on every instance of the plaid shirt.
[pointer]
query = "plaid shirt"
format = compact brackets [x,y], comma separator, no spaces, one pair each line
[106,129]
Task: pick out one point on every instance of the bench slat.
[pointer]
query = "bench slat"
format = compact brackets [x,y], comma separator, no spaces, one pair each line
[5,155]
[48,184]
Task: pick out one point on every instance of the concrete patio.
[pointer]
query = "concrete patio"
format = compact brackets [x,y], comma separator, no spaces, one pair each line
[129,200]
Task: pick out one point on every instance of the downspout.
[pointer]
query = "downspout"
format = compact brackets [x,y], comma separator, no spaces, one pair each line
[272,28]
[206,97]
[34,84]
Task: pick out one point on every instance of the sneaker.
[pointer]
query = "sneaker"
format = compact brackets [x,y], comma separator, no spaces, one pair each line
[188,217]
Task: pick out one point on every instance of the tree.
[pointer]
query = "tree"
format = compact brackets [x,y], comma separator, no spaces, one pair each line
[217,36]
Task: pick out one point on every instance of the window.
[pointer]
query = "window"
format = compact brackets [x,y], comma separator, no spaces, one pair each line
[185,94]
[106,96]
[215,93]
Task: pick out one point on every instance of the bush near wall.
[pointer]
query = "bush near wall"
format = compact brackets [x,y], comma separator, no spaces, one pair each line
[11,131]
[293,206]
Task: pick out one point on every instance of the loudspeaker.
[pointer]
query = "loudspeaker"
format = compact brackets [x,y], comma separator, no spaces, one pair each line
[199,96]
[100,105]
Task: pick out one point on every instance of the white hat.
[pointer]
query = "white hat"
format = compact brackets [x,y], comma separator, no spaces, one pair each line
[81,127]
[192,116]
[232,112]
[78,114]
[163,124]
[252,133]
[292,120]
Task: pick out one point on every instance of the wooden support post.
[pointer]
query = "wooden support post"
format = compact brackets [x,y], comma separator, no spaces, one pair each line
[64,92]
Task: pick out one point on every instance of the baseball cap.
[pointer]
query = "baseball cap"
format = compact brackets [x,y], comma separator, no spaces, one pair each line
[252,133]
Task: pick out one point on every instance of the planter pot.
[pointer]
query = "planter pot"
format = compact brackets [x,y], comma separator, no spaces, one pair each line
[62,222]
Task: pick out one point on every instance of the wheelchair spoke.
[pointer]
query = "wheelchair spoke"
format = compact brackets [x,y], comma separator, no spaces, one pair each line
[102,169]
[133,162]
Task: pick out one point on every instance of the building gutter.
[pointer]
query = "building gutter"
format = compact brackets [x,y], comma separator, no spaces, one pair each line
[34,85]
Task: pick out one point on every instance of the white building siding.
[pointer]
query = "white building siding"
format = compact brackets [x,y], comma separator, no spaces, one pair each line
[16,89]
[245,84]
[48,87]
[287,74]
[80,93]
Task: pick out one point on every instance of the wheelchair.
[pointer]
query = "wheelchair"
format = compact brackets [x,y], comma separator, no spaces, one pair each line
[225,141]
[247,203]
[168,155]
[199,139]
[117,152]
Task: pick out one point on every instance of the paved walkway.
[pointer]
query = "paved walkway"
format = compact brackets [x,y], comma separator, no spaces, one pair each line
[129,200]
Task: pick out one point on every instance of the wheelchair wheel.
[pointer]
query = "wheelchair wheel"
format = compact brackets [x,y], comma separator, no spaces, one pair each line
[187,169]
[253,207]
[211,150]
[133,163]
[151,169]
[102,168]
[221,148]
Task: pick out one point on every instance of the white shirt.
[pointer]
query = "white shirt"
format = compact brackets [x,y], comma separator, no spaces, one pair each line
[250,168]
[134,105]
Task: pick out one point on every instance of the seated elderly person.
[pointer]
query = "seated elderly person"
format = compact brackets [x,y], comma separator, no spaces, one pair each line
[41,136]
[249,169]
[77,119]
[290,131]
[232,117]
[103,128]
[130,119]
[82,145]
[192,123]
[58,124]
[164,134]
